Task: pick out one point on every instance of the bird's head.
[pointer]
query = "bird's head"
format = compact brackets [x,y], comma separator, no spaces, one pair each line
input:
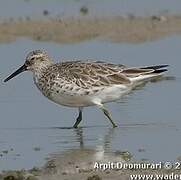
[35,61]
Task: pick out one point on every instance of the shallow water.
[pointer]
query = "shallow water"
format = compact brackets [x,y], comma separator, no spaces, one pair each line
[32,128]
[62,8]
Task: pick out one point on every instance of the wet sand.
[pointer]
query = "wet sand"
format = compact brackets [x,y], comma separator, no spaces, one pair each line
[129,29]
[80,165]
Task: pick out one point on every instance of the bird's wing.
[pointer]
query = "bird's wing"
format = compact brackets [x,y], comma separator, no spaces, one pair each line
[98,73]
[92,74]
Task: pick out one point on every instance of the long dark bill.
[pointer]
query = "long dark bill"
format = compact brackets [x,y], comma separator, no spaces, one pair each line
[20,70]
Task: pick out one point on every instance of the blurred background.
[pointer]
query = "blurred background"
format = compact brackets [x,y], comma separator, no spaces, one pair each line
[39,8]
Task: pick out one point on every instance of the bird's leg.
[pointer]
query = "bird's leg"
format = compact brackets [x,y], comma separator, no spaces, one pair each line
[108,115]
[79,118]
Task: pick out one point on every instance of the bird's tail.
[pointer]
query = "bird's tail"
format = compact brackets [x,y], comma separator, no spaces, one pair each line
[146,73]
[158,69]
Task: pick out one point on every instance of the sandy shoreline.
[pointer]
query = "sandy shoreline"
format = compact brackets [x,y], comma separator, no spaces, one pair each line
[80,164]
[69,30]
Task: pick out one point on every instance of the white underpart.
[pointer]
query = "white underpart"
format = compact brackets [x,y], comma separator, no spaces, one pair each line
[108,94]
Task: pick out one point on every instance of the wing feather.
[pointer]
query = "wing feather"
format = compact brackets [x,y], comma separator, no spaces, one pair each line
[86,74]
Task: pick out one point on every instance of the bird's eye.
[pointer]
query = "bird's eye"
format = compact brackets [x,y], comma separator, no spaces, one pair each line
[33,58]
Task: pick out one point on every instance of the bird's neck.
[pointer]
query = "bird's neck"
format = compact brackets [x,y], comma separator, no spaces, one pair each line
[38,71]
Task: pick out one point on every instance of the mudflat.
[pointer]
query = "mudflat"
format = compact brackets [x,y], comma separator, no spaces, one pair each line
[129,29]
[87,164]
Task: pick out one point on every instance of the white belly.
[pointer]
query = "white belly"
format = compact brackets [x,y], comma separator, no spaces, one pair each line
[108,94]
[71,101]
